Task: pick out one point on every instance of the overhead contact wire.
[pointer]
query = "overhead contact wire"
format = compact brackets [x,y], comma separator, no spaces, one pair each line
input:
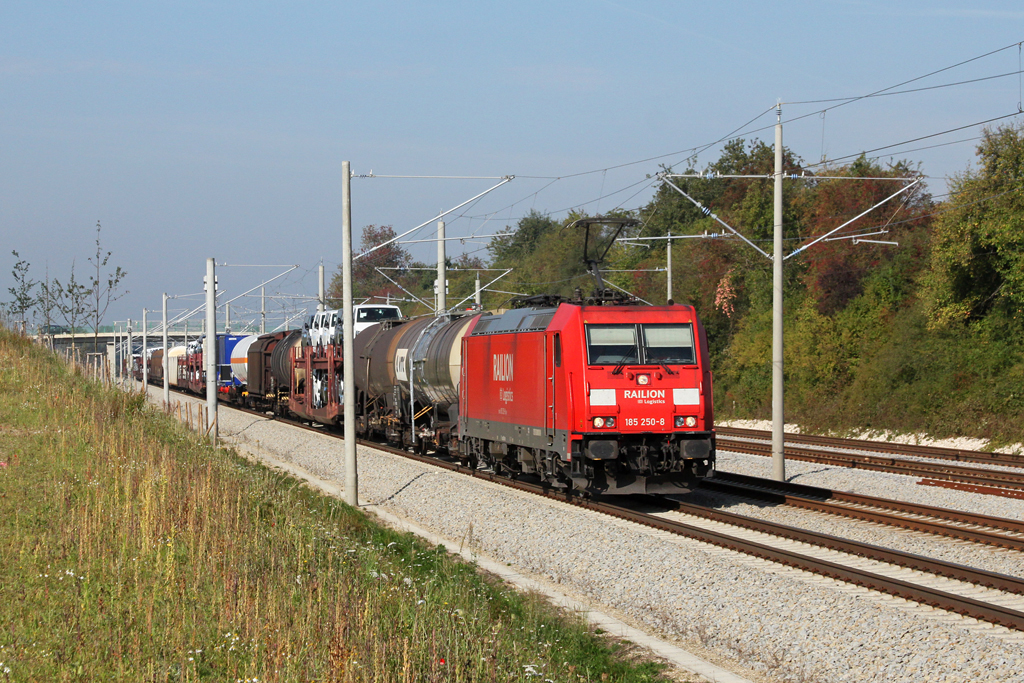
[923,137]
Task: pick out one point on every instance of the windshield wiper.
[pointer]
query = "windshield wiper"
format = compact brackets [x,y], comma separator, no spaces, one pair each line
[621,364]
[667,368]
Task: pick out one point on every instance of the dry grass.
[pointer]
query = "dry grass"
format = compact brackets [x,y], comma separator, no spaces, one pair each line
[133,551]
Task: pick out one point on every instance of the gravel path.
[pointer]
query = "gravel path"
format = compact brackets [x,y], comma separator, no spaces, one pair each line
[784,623]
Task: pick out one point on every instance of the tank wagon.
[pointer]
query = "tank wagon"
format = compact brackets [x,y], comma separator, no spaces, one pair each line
[269,370]
[407,375]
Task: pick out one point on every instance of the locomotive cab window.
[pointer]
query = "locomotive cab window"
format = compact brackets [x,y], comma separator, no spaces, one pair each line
[641,344]
[669,344]
[612,344]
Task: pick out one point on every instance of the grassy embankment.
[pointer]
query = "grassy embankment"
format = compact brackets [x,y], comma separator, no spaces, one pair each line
[133,551]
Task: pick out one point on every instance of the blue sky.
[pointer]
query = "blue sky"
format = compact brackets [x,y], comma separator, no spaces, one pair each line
[195,129]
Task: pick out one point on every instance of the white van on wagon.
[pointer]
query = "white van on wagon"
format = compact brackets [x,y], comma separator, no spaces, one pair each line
[325,327]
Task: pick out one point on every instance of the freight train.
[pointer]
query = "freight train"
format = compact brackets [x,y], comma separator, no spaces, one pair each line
[605,397]
[599,395]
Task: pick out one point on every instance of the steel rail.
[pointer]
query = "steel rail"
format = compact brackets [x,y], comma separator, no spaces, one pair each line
[974,475]
[940,521]
[974,488]
[936,452]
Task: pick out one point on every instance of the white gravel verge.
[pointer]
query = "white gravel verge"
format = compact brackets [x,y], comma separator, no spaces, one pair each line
[965,442]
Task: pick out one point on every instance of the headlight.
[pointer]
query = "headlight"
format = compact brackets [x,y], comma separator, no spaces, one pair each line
[609,422]
[691,421]
[643,379]
[680,421]
[599,422]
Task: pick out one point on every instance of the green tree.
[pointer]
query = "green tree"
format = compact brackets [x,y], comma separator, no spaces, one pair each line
[72,301]
[518,243]
[977,265]
[47,299]
[462,278]
[536,249]
[546,256]
[23,300]
[103,292]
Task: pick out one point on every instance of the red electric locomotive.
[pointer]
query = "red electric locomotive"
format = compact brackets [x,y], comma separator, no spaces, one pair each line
[602,398]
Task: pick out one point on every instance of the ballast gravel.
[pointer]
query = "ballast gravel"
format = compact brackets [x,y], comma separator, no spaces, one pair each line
[787,624]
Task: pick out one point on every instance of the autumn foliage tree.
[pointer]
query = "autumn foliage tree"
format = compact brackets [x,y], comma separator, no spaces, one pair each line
[836,270]
[367,281]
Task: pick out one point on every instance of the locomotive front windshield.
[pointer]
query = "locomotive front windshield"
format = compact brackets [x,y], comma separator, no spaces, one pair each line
[640,344]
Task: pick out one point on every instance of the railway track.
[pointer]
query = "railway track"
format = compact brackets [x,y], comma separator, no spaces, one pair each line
[918,579]
[998,599]
[1001,482]
[934,452]
[963,526]
[1009,584]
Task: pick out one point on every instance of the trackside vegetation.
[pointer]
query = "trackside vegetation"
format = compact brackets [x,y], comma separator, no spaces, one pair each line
[926,335]
[133,551]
